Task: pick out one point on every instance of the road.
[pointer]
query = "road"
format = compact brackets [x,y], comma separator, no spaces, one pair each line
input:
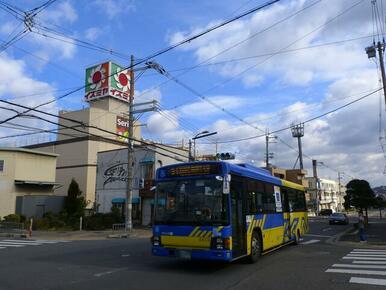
[127,264]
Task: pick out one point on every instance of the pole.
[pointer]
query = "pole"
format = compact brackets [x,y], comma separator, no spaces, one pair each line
[300,153]
[190,151]
[266,150]
[194,149]
[339,193]
[130,151]
[380,53]
[315,173]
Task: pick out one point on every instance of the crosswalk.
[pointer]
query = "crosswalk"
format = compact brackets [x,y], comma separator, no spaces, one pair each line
[368,266]
[4,244]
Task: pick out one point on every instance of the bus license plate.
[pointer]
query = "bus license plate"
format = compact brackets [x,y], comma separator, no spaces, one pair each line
[184,254]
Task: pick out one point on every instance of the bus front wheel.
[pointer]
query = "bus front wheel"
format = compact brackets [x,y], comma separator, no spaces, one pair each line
[256,247]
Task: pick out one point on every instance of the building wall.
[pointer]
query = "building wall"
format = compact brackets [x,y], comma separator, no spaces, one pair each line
[23,166]
[111,180]
[78,158]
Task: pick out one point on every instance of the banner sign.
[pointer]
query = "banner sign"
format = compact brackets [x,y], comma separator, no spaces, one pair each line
[122,128]
[107,80]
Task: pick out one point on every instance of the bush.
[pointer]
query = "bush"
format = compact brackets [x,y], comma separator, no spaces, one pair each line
[102,221]
[16,218]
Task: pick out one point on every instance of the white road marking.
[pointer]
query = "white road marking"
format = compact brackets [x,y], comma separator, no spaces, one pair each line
[359,266]
[370,281]
[23,244]
[366,255]
[354,271]
[108,272]
[363,258]
[369,262]
[318,236]
[26,241]
[10,245]
[1,248]
[369,250]
[310,242]
[327,229]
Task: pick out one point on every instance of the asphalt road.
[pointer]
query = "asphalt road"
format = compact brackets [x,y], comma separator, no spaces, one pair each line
[128,264]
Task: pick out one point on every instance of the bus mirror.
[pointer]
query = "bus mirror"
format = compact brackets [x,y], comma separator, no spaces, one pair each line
[226,184]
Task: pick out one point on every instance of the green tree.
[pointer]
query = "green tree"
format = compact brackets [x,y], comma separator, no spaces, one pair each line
[359,195]
[75,203]
[380,203]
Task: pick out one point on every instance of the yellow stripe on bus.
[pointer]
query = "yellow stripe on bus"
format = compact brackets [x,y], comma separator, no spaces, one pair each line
[194,231]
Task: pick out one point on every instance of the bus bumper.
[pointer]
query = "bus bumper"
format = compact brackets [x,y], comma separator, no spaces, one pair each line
[194,254]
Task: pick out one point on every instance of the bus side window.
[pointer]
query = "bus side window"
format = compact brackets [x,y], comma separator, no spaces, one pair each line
[284,198]
[269,204]
[251,197]
[296,200]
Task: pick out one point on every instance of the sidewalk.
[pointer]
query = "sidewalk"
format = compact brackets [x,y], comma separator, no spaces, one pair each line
[375,233]
[90,235]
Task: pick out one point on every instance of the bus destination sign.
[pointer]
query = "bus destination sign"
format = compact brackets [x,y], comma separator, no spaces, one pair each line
[193,170]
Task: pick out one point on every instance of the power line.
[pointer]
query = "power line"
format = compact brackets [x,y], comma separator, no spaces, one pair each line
[307,121]
[83,125]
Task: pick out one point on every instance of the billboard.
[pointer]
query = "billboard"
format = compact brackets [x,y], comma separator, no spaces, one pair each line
[107,80]
[122,128]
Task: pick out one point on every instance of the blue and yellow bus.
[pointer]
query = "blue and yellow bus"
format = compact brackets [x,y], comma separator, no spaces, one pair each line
[221,211]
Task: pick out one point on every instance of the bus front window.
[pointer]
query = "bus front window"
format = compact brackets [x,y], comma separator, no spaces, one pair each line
[191,201]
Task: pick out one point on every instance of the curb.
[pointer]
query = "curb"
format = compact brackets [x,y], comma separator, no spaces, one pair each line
[335,240]
[118,236]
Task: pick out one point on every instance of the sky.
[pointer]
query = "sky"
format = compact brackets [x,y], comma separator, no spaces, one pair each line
[282,65]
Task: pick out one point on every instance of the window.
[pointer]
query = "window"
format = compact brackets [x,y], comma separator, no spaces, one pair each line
[260,197]
[1,165]
[296,200]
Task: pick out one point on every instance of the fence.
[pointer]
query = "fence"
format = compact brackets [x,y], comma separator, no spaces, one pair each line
[118,228]
[12,228]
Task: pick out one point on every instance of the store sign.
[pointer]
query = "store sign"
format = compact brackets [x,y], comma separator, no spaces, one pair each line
[122,129]
[107,80]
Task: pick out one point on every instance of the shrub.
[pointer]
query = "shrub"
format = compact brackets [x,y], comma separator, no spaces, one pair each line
[16,218]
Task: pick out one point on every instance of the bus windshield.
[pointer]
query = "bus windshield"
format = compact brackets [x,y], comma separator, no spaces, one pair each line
[191,201]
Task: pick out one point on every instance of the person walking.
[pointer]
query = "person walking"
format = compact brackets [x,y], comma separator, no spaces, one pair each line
[361,227]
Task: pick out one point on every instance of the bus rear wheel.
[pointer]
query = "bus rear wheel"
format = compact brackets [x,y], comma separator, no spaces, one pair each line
[297,238]
[256,247]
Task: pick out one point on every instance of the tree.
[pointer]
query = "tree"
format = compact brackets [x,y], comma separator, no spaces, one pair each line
[380,203]
[359,195]
[75,203]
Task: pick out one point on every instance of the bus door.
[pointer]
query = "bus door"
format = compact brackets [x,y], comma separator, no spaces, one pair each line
[238,217]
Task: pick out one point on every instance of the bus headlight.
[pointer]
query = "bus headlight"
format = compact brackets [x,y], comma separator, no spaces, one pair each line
[156,241]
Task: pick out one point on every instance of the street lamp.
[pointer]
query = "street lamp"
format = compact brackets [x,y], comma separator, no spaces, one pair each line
[197,136]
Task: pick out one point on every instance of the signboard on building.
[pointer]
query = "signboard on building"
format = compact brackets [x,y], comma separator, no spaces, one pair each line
[107,80]
[122,128]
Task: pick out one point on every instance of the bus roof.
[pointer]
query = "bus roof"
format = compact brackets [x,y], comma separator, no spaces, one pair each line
[292,185]
[228,168]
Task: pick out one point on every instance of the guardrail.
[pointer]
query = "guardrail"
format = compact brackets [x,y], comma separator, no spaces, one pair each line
[12,228]
[118,227]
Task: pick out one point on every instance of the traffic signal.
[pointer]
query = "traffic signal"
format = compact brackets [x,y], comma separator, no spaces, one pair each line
[225,156]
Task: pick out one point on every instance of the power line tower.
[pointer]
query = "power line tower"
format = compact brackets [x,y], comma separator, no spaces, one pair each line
[269,155]
[298,132]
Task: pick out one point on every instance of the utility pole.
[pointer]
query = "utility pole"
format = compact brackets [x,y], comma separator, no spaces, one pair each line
[298,132]
[317,185]
[381,49]
[130,151]
[268,155]
[339,189]
[190,150]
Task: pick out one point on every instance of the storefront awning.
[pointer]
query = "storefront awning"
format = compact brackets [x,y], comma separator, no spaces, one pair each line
[134,200]
[160,201]
[147,160]
[33,182]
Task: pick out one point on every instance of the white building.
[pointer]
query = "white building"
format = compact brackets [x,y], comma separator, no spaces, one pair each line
[330,197]
[111,181]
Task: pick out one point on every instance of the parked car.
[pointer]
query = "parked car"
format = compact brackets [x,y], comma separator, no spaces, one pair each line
[338,218]
[326,211]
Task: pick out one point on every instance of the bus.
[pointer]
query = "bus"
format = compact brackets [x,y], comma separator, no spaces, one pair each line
[216,210]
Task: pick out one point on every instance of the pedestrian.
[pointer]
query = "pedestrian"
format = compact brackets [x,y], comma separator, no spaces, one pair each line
[361,227]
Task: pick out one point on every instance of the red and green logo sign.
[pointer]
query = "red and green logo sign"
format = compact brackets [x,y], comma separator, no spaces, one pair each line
[107,80]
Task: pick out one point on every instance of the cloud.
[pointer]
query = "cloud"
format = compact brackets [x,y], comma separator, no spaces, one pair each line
[15,83]
[247,37]
[204,108]
[62,12]
[92,33]
[115,7]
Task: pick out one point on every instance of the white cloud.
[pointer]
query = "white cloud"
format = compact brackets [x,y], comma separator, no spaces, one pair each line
[15,83]
[62,12]
[299,68]
[92,33]
[204,108]
[115,7]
